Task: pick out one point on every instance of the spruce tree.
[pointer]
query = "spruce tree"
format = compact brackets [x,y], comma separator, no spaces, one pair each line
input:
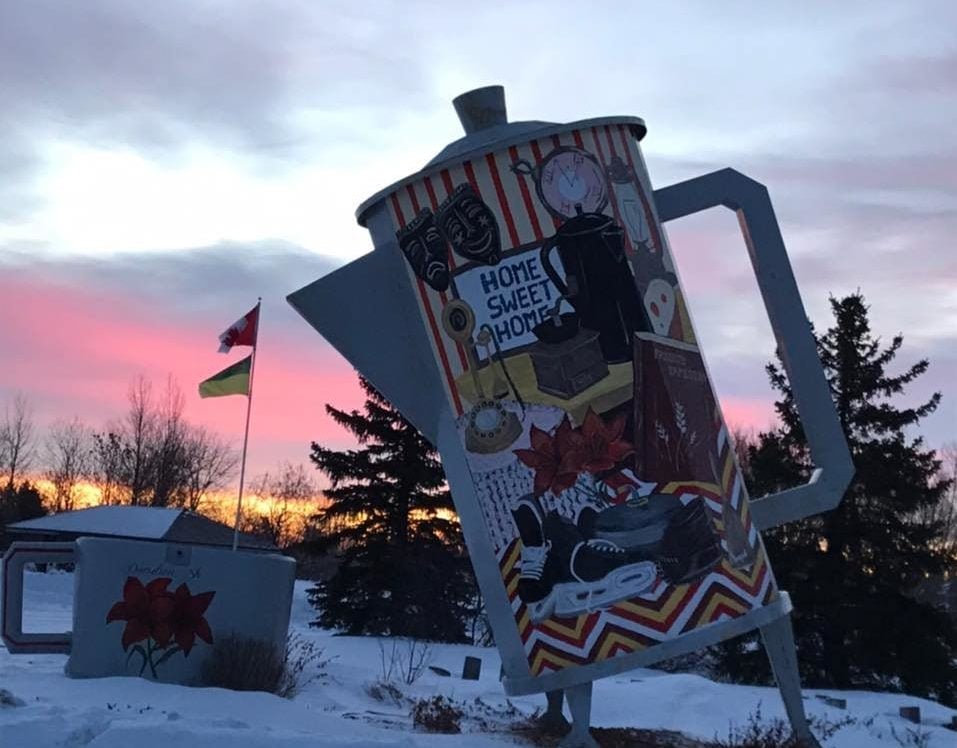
[402,568]
[18,503]
[852,572]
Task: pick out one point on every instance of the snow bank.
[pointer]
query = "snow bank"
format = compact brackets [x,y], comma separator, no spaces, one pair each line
[336,711]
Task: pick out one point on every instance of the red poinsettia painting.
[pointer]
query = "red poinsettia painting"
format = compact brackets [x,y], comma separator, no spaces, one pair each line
[552,458]
[596,448]
[160,622]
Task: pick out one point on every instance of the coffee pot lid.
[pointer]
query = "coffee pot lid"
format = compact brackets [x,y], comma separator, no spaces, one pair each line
[487,130]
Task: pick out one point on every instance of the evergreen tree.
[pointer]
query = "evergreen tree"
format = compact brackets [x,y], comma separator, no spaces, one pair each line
[18,503]
[402,568]
[852,571]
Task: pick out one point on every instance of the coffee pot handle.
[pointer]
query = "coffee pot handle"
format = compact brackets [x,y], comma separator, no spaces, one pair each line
[18,555]
[550,271]
[792,331]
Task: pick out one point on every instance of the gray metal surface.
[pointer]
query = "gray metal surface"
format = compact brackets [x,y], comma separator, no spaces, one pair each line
[487,572]
[792,331]
[778,638]
[483,115]
[366,311]
[579,704]
[481,108]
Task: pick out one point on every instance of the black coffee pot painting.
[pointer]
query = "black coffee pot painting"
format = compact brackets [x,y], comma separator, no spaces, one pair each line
[598,282]
[464,221]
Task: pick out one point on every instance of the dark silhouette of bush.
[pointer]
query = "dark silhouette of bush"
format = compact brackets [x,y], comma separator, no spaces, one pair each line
[243,664]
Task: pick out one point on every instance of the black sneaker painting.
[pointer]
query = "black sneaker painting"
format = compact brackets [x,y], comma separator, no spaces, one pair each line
[564,573]
[690,548]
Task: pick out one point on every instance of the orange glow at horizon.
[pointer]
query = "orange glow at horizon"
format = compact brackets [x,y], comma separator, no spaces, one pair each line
[218,505]
[221,507]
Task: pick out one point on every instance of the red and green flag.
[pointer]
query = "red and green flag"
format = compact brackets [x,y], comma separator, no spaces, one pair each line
[233,380]
[241,332]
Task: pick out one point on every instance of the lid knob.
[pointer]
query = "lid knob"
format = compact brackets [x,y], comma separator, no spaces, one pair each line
[481,108]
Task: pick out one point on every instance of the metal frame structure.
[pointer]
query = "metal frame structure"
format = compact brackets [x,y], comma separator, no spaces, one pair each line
[364,310]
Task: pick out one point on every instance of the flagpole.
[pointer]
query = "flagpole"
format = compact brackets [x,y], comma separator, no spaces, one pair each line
[249,408]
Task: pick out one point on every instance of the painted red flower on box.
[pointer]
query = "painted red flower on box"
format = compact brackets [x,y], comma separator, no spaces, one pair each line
[167,621]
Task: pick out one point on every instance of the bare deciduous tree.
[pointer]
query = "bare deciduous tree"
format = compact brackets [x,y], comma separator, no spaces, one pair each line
[169,450]
[68,452]
[138,432]
[106,468]
[154,457]
[290,483]
[741,439]
[210,463]
[17,443]
[945,511]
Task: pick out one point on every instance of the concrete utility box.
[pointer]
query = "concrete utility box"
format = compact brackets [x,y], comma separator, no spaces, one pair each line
[152,609]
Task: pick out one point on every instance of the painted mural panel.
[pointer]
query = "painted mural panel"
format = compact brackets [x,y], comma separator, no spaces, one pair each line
[595,443]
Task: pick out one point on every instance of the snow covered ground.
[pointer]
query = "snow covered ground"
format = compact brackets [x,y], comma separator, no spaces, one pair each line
[336,710]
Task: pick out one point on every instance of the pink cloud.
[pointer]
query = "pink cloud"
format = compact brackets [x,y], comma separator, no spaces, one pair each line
[748,413]
[75,351]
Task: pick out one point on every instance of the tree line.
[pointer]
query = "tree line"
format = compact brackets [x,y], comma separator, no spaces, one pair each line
[859,575]
[151,455]
[869,579]
[390,524]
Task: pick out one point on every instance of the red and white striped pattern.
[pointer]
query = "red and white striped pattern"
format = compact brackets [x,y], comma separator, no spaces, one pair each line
[522,219]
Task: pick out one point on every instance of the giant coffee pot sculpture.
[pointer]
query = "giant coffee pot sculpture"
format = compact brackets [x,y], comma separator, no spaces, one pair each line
[522,310]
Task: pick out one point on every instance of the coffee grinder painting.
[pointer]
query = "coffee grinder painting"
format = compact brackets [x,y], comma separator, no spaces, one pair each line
[597,450]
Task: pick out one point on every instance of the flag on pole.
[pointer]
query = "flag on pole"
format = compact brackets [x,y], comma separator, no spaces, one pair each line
[241,332]
[237,380]
[233,380]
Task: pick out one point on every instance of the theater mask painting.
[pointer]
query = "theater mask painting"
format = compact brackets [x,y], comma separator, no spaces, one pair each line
[470,226]
[426,250]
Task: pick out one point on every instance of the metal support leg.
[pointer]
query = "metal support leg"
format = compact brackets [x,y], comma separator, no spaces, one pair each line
[553,720]
[778,637]
[579,704]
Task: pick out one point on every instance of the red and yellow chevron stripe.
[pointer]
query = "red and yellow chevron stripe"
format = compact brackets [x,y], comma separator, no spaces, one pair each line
[663,613]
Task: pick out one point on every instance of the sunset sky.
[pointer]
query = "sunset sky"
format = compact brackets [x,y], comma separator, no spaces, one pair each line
[163,164]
